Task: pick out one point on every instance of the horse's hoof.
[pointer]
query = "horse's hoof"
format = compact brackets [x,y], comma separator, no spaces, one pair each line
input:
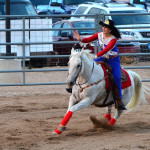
[59,130]
[112,122]
[108,116]
[69,90]
[54,133]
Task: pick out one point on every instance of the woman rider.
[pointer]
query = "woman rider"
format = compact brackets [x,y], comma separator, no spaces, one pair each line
[109,52]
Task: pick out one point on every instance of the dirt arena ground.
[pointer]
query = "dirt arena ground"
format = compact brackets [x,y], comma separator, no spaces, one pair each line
[29,115]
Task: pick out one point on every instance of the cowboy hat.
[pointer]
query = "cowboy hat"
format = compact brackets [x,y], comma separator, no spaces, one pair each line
[108,23]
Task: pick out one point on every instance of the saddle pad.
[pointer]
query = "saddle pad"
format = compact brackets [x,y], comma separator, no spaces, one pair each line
[124,76]
[127,83]
[124,85]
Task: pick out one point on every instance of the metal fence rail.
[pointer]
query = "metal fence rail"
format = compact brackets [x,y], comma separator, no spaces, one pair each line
[25,29]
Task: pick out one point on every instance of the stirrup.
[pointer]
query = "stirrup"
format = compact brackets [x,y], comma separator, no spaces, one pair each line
[69,90]
[122,107]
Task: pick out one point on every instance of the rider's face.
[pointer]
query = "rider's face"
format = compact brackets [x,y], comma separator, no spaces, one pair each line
[106,30]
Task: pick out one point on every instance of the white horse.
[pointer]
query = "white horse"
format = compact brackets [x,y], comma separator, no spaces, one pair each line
[88,81]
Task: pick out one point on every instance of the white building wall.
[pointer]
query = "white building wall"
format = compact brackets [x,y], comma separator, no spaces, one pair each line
[35,36]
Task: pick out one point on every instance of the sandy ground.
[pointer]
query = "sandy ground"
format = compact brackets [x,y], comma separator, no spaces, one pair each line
[29,115]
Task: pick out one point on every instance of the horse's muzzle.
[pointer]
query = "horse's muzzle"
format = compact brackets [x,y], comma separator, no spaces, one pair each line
[71,83]
[71,80]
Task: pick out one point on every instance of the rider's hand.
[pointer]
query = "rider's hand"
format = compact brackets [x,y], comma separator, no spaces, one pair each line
[95,57]
[77,35]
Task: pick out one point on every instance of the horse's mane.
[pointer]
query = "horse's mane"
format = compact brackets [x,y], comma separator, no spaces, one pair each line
[87,52]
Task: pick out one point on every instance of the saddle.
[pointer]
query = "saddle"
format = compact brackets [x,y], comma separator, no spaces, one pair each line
[108,68]
[110,83]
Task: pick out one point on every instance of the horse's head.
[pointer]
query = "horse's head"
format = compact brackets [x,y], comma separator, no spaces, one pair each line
[76,64]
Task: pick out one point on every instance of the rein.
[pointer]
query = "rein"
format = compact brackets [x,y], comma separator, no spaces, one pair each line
[88,78]
[81,90]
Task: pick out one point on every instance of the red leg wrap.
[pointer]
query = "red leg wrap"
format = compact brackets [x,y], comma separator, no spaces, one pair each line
[64,122]
[66,118]
[108,116]
[112,121]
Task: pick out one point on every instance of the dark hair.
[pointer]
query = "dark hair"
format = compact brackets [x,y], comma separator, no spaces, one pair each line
[115,32]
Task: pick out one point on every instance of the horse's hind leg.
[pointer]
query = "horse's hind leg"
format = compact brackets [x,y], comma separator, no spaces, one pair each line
[117,115]
[108,115]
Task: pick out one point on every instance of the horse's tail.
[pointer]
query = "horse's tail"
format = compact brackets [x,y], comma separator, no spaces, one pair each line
[139,90]
[146,90]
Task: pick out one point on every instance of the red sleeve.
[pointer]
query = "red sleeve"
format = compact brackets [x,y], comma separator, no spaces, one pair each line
[90,39]
[107,48]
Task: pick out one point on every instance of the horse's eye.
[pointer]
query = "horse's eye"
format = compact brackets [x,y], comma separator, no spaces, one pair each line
[78,65]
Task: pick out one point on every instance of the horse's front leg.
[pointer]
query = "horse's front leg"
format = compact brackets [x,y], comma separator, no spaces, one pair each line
[72,101]
[82,104]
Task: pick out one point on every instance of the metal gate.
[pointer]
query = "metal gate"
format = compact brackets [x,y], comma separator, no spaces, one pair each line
[32,48]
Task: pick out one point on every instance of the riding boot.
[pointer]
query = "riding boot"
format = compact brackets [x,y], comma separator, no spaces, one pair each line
[69,90]
[118,102]
[119,105]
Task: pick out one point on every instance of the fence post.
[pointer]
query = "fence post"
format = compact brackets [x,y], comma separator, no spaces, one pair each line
[24,73]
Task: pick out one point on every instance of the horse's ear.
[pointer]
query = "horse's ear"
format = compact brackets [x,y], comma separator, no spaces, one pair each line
[72,50]
[83,45]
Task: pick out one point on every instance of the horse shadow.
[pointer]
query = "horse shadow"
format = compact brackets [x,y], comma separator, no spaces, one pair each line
[101,127]
[134,127]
